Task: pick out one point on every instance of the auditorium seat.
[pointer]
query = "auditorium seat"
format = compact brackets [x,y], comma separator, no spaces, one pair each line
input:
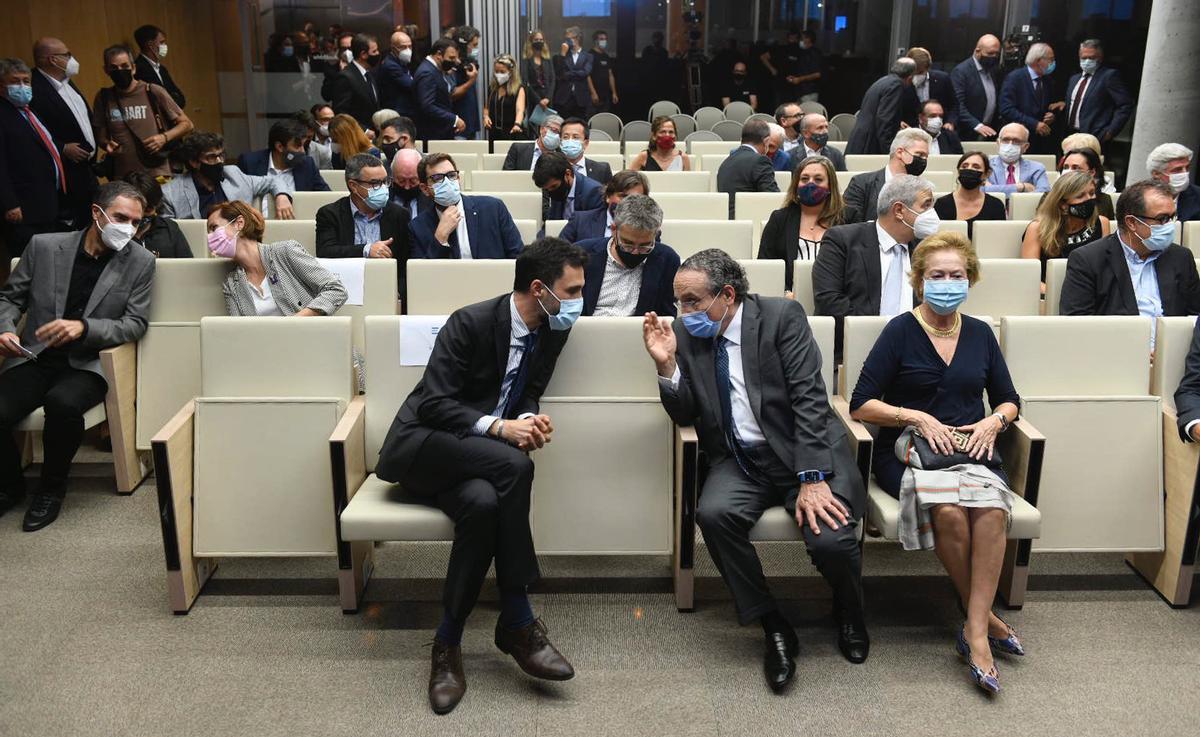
[501,147]
[455,147]
[783,180]
[306,204]
[1007,286]
[195,232]
[615,161]
[1170,572]
[998,238]
[1190,235]
[336,179]
[492,162]
[1084,382]
[244,469]
[756,206]
[528,228]
[503,181]
[605,148]
[377,294]
[802,286]
[764,276]
[944,162]
[866,162]
[704,149]
[554,227]
[735,237]
[1056,272]
[692,206]
[1024,205]
[678,181]
[521,205]
[441,286]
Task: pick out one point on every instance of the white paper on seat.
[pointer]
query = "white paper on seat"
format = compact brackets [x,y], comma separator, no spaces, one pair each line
[352,272]
[417,335]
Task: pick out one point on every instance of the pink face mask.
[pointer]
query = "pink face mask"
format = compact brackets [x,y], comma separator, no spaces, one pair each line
[221,243]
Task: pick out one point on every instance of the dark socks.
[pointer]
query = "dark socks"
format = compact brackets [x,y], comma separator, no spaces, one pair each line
[450,631]
[515,611]
[773,621]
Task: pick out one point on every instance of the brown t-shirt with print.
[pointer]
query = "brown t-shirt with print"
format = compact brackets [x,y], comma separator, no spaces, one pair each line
[139,121]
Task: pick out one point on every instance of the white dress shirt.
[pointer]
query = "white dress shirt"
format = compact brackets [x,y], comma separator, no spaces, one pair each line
[264,301]
[886,242]
[789,143]
[608,223]
[155,66]
[77,105]
[934,148]
[516,347]
[464,239]
[581,167]
[1144,277]
[283,175]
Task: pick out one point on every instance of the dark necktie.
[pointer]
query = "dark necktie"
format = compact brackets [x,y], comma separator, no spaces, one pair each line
[455,252]
[1073,118]
[1039,93]
[725,390]
[519,376]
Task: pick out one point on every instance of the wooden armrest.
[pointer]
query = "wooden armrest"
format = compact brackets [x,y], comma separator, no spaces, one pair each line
[686,491]
[1022,448]
[348,447]
[862,443]
[119,365]
[686,434]
[173,472]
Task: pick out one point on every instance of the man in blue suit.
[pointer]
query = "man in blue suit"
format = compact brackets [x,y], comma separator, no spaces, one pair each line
[630,273]
[435,118]
[976,82]
[458,226]
[572,68]
[1098,101]
[929,84]
[587,225]
[566,192]
[1026,98]
[394,78]
[284,157]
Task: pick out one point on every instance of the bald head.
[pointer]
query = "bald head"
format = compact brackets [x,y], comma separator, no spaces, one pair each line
[48,50]
[988,46]
[404,168]
[401,40]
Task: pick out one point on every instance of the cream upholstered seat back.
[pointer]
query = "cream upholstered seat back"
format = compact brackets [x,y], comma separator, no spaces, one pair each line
[866,162]
[441,286]
[858,338]
[555,227]
[306,204]
[455,147]
[187,289]
[692,205]
[755,206]
[802,286]
[1007,286]
[998,238]
[765,276]
[522,205]
[734,237]
[1056,274]
[600,360]
[1077,356]
[1024,205]
[378,290]
[303,232]
[390,382]
[503,181]
[678,181]
[273,357]
[1172,342]
[194,232]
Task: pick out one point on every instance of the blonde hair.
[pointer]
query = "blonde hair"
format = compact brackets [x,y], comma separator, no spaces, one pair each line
[943,240]
[1051,220]
[345,131]
[514,75]
[527,51]
[1081,140]
[833,210]
[381,116]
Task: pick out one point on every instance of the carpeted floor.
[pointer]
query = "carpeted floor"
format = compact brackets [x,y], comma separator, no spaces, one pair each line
[87,647]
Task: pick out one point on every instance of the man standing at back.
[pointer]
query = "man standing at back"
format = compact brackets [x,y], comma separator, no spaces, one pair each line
[394,77]
[152,49]
[976,83]
[882,109]
[461,442]
[436,119]
[1026,98]
[1098,101]
[61,107]
[748,169]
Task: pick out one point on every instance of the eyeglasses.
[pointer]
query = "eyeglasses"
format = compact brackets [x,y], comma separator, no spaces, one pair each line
[372,183]
[692,305]
[638,248]
[1160,220]
[439,178]
[210,158]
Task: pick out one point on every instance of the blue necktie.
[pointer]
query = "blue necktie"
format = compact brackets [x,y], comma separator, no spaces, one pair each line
[517,378]
[725,390]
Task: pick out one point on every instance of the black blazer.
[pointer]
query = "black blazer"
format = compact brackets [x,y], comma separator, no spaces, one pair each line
[657,293]
[782,365]
[462,381]
[745,171]
[335,235]
[862,196]
[145,72]
[520,158]
[781,239]
[535,93]
[52,110]
[949,143]
[435,108]
[354,96]
[1187,395]
[879,117]
[585,225]
[1097,281]
[799,153]
[972,99]
[27,172]
[1106,106]
[1187,203]
[940,89]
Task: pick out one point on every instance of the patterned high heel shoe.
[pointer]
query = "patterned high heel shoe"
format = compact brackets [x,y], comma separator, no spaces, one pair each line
[1010,644]
[989,681]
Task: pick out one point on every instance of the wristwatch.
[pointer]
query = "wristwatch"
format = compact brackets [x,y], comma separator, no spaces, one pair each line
[812,477]
[1004,423]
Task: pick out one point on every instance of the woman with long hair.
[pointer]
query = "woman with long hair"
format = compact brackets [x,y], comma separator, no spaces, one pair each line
[348,140]
[504,116]
[661,154]
[968,201]
[1066,219]
[538,73]
[812,205]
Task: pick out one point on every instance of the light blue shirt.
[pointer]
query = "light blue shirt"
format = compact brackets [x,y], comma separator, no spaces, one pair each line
[1145,285]
[516,347]
[1024,170]
[366,229]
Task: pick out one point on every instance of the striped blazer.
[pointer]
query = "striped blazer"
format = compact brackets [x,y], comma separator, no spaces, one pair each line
[297,281]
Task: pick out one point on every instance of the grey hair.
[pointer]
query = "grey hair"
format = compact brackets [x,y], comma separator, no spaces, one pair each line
[1164,154]
[1036,52]
[639,212]
[904,189]
[12,66]
[721,270]
[358,162]
[552,119]
[383,115]
[908,136]
[809,120]
[1092,43]
[903,67]
[776,130]
[110,191]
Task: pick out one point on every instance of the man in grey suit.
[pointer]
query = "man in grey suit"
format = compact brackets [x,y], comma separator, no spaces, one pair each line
[80,293]
[882,110]
[908,154]
[747,168]
[209,182]
[814,141]
[746,372]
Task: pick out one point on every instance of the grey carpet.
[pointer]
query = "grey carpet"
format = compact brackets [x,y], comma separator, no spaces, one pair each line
[87,646]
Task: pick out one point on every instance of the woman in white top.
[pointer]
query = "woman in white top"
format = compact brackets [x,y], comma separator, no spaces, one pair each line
[661,155]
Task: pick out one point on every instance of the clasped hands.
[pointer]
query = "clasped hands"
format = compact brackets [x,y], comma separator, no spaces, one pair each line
[982,434]
[529,433]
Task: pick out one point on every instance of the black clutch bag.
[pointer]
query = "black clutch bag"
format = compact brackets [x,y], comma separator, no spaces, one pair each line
[913,449]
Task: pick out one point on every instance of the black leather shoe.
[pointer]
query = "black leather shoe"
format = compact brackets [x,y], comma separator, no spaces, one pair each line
[533,651]
[779,665]
[10,498]
[853,640]
[447,683]
[42,511]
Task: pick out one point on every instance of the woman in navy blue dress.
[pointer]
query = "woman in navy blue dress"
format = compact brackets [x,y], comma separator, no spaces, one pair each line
[929,370]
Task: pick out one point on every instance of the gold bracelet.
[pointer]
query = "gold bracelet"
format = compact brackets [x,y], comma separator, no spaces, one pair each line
[899,422]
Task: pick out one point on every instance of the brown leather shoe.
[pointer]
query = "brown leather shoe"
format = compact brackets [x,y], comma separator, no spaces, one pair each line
[447,683]
[533,652]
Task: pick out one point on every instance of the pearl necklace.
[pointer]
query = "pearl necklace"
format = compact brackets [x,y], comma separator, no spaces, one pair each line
[938,332]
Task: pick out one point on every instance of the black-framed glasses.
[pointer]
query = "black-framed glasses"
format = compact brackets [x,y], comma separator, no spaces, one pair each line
[371,183]
[213,158]
[1160,220]
[442,176]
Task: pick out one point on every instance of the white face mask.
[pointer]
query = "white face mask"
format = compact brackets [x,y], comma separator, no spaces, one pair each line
[502,77]
[933,126]
[115,235]
[919,79]
[926,224]
[162,51]
[405,56]
[1009,153]
[72,67]
[1179,181]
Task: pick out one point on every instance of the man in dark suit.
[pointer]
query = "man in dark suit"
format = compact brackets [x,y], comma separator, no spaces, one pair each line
[1110,276]
[364,224]
[78,294]
[354,90]
[1187,395]
[1027,97]
[460,226]
[929,84]
[814,141]
[522,156]
[436,119]
[461,442]
[745,371]
[1097,100]
[572,68]
[909,155]
[631,272]
[32,174]
[1171,164]
[932,120]
[863,268]
[284,157]
[574,144]
[881,111]
[152,49]
[976,82]
[64,111]
[587,225]
[394,78]
[747,168]
[566,192]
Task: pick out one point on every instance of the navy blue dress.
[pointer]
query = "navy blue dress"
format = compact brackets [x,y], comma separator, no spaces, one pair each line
[905,370]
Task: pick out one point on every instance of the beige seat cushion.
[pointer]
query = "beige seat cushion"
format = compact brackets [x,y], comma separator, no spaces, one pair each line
[776,525]
[36,420]
[884,512]
[381,511]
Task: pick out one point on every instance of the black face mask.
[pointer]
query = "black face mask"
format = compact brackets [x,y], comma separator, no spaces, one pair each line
[560,194]
[405,195]
[373,59]
[448,65]
[630,260]
[121,78]
[389,149]
[1082,210]
[820,139]
[214,173]
[538,45]
[291,159]
[916,167]
[970,178]
[989,62]
[739,77]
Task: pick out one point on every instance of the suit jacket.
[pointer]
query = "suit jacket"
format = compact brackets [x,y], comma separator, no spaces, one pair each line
[781,240]
[862,196]
[1097,281]
[520,158]
[972,99]
[799,153]
[1187,203]
[597,171]
[335,236]
[1106,106]
[657,293]
[879,117]
[395,85]
[586,225]
[462,381]
[745,170]
[118,311]
[1019,101]
[572,87]
[1187,395]
[435,119]
[298,281]
[180,200]
[949,143]
[490,228]
[52,110]
[354,94]
[782,365]
[305,175]
[940,89]
[589,194]
[27,171]
[145,72]
[535,93]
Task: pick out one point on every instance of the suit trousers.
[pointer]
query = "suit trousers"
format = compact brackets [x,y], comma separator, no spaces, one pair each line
[485,486]
[731,504]
[65,393]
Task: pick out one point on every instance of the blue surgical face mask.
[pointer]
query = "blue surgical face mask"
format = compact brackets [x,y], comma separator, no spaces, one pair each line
[446,193]
[1050,69]
[1089,66]
[377,197]
[1161,236]
[569,311]
[19,94]
[572,148]
[550,141]
[700,325]
[945,295]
